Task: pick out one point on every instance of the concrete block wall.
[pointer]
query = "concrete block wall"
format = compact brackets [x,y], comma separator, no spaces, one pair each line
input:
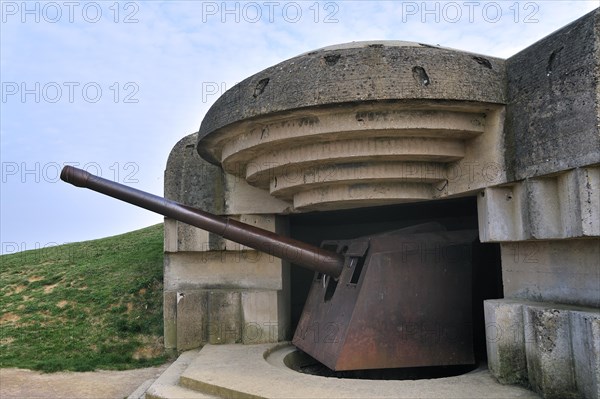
[558,206]
[552,112]
[565,271]
[215,290]
[546,217]
[505,341]
[548,347]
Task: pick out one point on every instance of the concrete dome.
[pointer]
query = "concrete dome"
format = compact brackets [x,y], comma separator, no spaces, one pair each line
[369,110]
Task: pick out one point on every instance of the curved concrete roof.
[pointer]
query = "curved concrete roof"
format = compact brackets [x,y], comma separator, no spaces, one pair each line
[359,72]
[347,125]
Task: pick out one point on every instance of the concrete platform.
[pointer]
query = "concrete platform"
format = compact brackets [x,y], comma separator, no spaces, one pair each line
[259,371]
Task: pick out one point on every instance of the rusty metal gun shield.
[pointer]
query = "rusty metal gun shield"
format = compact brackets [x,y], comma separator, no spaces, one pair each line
[403,299]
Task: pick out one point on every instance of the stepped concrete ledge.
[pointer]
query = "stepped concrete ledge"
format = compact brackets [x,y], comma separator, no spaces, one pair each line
[258,371]
[166,386]
[363,124]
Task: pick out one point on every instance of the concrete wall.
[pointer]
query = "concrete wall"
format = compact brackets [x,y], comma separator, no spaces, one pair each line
[552,111]
[545,334]
[215,290]
[551,348]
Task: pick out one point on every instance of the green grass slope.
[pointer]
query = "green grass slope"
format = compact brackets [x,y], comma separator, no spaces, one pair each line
[84,306]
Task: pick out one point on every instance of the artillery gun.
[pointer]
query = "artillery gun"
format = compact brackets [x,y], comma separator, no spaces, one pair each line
[397,299]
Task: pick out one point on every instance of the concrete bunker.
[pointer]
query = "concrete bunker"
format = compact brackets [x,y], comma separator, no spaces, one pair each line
[359,126]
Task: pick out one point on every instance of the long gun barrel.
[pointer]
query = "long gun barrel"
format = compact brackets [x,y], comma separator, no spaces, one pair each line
[295,251]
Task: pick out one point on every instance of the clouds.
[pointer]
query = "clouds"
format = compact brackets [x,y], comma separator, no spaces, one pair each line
[135,77]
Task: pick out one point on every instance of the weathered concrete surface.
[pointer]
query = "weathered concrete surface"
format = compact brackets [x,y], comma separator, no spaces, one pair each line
[548,352]
[191,180]
[360,71]
[224,321]
[242,198]
[220,269]
[565,271]
[243,371]
[259,317]
[585,330]
[170,319]
[319,140]
[366,154]
[552,348]
[214,296]
[505,341]
[553,108]
[166,386]
[203,271]
[191,276]
[565,205]
[191,318]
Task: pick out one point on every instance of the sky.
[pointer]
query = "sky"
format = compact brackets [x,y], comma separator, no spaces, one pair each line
[111,86]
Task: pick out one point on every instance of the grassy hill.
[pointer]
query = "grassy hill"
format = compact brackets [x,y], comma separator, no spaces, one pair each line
[84,306]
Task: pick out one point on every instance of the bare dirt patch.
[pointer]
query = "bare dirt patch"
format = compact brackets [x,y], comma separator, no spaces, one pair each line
[20,288]
[9,318]
[62,304]
[49,288]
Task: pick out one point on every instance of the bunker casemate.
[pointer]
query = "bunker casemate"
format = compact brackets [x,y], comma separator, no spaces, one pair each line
[399,212]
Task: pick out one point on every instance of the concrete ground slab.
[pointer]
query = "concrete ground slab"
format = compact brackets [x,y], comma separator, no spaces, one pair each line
[166,386]
[258,371]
